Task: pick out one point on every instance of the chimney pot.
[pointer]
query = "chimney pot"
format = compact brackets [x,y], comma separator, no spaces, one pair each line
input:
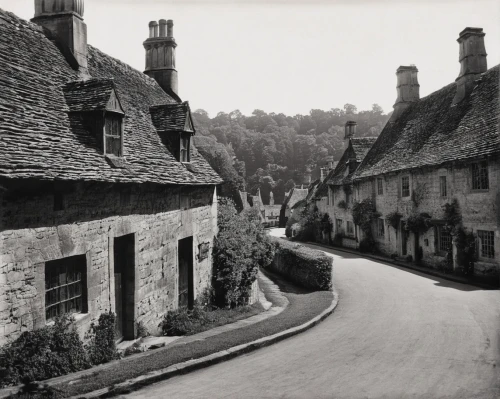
[163,28]
[472,58]
[170,28]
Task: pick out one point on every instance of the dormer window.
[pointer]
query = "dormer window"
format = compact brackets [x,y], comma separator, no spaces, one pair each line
[175,127]
[96,104]
[113,133]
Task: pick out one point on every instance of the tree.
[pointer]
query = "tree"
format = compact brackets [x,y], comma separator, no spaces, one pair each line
[350,109]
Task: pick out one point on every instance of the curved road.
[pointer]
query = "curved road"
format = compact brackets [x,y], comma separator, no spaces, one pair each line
[395,334]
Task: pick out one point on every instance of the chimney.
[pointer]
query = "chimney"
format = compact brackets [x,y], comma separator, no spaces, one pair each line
[329,163]
[63,19]
[472,57]
[160,56]
[323,174]
[350,129]
[408,89]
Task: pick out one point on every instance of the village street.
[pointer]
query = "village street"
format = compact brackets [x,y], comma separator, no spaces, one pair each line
[395,334]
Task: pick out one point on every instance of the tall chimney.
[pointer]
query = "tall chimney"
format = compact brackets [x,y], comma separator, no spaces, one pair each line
[408,89]
[350,129]
[64,21]
[472,57]
[160,56]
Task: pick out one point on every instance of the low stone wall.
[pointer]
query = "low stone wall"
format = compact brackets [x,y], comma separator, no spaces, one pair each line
[304,266]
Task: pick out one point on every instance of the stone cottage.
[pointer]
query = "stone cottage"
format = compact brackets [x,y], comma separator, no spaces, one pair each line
[291,198]
[105,203]
[434,151]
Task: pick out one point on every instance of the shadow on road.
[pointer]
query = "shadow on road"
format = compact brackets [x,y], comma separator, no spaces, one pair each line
[285,285]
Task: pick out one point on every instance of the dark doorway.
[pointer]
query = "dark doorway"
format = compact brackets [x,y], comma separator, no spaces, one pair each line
[124,255]
[186,279]
[404,239]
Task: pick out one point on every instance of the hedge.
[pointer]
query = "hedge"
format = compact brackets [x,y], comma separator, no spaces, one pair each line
[307,267]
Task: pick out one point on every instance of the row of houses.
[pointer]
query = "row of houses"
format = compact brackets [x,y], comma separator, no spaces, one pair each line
[105,203]
[437,150]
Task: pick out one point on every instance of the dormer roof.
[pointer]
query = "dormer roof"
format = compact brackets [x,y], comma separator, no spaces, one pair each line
[92,95]
[172,118]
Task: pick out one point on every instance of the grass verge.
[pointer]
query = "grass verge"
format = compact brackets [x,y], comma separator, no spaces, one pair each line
[303,306]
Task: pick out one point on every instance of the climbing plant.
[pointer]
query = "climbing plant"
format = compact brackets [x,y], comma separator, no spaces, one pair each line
[418,222]
[393,219]
[363,214]
[342,204]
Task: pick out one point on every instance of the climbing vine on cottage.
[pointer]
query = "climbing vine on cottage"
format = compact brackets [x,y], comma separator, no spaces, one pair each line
[363,214]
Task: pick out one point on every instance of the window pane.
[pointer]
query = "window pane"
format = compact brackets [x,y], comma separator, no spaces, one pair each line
[405,186]
[487,239]
[442,186]
[113,145]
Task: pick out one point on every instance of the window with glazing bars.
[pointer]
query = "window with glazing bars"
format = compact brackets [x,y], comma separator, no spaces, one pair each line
[113,134]
[380,228]
[480,176]
[405,186]
[444,240]
[65,286]
[487,243]
[340,226]
[350,228]
[380,186]
[184,149]
[442,186]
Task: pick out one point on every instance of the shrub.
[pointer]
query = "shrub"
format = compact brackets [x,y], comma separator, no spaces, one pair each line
[45,353]
[466,250]
[368,245]
[142,331]
[307,267]
[240,248]
[363,214]
[418,223]
[393,219]
[452,215]
[183,321]
[342,204]
[101,345]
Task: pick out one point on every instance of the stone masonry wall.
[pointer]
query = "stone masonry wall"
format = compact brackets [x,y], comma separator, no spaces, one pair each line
[32,233]
[480,209]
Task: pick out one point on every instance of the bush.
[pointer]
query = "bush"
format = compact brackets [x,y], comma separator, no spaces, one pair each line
[368,245]
[393,219]
[41,354]
[394,256]
[101,347]
[307,267]
[240,248]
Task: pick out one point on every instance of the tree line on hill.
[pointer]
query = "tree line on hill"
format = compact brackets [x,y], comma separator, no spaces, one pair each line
[271,152]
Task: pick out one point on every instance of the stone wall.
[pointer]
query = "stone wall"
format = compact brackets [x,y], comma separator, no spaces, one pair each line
[32,233]
[480,209]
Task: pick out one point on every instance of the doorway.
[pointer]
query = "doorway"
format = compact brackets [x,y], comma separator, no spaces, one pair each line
[186,278]
[124,256]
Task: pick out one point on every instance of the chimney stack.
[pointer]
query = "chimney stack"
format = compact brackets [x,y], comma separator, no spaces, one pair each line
[160,56]
[472,57]
[350,129]
[408,89]
[64,20]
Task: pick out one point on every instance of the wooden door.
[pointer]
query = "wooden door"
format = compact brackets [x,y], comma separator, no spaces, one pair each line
[186,283]
[118,306]
[124,256]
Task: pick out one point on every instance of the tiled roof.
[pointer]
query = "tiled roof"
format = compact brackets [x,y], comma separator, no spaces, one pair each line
[432,131]
[357,149]
[40,139]
[172,117]
[296,195]
[88,95]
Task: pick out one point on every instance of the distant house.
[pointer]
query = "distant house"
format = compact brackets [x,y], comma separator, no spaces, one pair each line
[269,214]
[434,151]
[106,204]
[291,198]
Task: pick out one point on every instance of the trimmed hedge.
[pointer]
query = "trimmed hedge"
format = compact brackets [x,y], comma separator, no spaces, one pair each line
[302,265]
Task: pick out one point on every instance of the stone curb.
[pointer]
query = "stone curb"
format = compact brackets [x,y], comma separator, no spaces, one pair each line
[191,365]
[404,265]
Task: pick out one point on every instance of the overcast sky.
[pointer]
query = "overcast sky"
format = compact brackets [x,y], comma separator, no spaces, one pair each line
[292,56]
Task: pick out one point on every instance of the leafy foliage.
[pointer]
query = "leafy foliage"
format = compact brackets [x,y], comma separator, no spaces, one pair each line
[452,216]
[342,204]
[45,353]
[101,347]
[363,214]
[393,219]
[466,250]
[418,222]
[240,247]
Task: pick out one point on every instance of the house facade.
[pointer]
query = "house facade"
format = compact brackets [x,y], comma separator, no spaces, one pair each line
[436,152]
[105,203]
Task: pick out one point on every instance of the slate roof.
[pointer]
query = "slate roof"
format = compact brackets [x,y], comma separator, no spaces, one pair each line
[40,139]
[172,117]
[357,149]
[295,195]
[432,131]
[88,95]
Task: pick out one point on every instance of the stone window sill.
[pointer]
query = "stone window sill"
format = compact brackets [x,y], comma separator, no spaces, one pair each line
[79,319]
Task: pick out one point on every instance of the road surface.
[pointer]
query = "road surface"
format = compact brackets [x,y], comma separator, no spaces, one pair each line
[395,334]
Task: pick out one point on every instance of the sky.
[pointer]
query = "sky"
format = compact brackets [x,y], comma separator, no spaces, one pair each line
[292,56]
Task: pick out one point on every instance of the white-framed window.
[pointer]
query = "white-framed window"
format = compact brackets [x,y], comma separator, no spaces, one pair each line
[480,178]
[380,228]
[443,189]
[405,186]
[486,247]
[380,186]
[444,239]
[65,286]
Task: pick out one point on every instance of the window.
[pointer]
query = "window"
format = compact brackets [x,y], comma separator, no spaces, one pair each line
[184,148]
[380,186]
[480,176]
[340,225]
[405,186]
[442,186]
[350,228]
[113,134]
[65,286]
[486,244]
[444,239]
[380,228]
